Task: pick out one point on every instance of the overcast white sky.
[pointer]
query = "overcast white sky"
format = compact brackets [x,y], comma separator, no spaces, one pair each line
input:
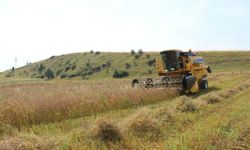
[32,30]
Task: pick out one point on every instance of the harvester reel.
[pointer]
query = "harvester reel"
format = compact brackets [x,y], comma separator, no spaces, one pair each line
[149,83]
[164,81]
[135,82]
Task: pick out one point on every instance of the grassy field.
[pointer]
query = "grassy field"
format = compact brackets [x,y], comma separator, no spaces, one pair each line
[109,114]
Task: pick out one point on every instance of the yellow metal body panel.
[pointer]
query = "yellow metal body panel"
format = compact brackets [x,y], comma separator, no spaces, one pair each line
[195,87]
[159,66]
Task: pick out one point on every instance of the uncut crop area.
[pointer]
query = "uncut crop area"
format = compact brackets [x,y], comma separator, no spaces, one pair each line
[33,103]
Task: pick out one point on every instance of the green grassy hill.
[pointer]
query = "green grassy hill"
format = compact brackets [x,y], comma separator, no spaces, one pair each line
[103,65]
[93,65]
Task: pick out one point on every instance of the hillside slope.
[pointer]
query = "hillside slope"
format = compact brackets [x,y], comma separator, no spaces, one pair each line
[103,65]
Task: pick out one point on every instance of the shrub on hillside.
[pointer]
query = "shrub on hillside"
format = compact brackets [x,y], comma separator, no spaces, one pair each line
[97,53]
[132,52]
[52,57]
[40,68]
[66,68]
[137,56]
[97,68]
[105,130]
[140,52]
[88,64]
[88,71]
[64,76]
[104,66]
[49,74]
[120,74]
[13,69]
[151,62]
[73,66]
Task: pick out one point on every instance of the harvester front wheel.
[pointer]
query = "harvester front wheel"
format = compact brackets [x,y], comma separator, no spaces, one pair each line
[203,84]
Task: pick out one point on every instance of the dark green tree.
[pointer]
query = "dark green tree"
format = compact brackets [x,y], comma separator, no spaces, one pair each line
[132,52]
[97,53]
[120,74]
[13,69]
[49,74]
[40,68]
[137,56]
[151,62]
[140,51]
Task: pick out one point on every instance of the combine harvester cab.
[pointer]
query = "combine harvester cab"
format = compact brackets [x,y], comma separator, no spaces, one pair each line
[179,70]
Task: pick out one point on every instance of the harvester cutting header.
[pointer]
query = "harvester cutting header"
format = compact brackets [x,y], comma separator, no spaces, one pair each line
[178,69]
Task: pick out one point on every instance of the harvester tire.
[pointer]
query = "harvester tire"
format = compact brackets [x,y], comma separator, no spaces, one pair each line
[203,85]
[188,82]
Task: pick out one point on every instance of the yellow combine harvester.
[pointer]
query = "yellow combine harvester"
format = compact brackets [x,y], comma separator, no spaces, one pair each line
[178,69]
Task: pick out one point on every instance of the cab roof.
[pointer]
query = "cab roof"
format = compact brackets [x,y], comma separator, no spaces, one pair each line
[176,50]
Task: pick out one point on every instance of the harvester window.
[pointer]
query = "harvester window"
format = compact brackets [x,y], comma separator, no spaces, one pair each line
[199,61]
[180,62]
[170,60]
